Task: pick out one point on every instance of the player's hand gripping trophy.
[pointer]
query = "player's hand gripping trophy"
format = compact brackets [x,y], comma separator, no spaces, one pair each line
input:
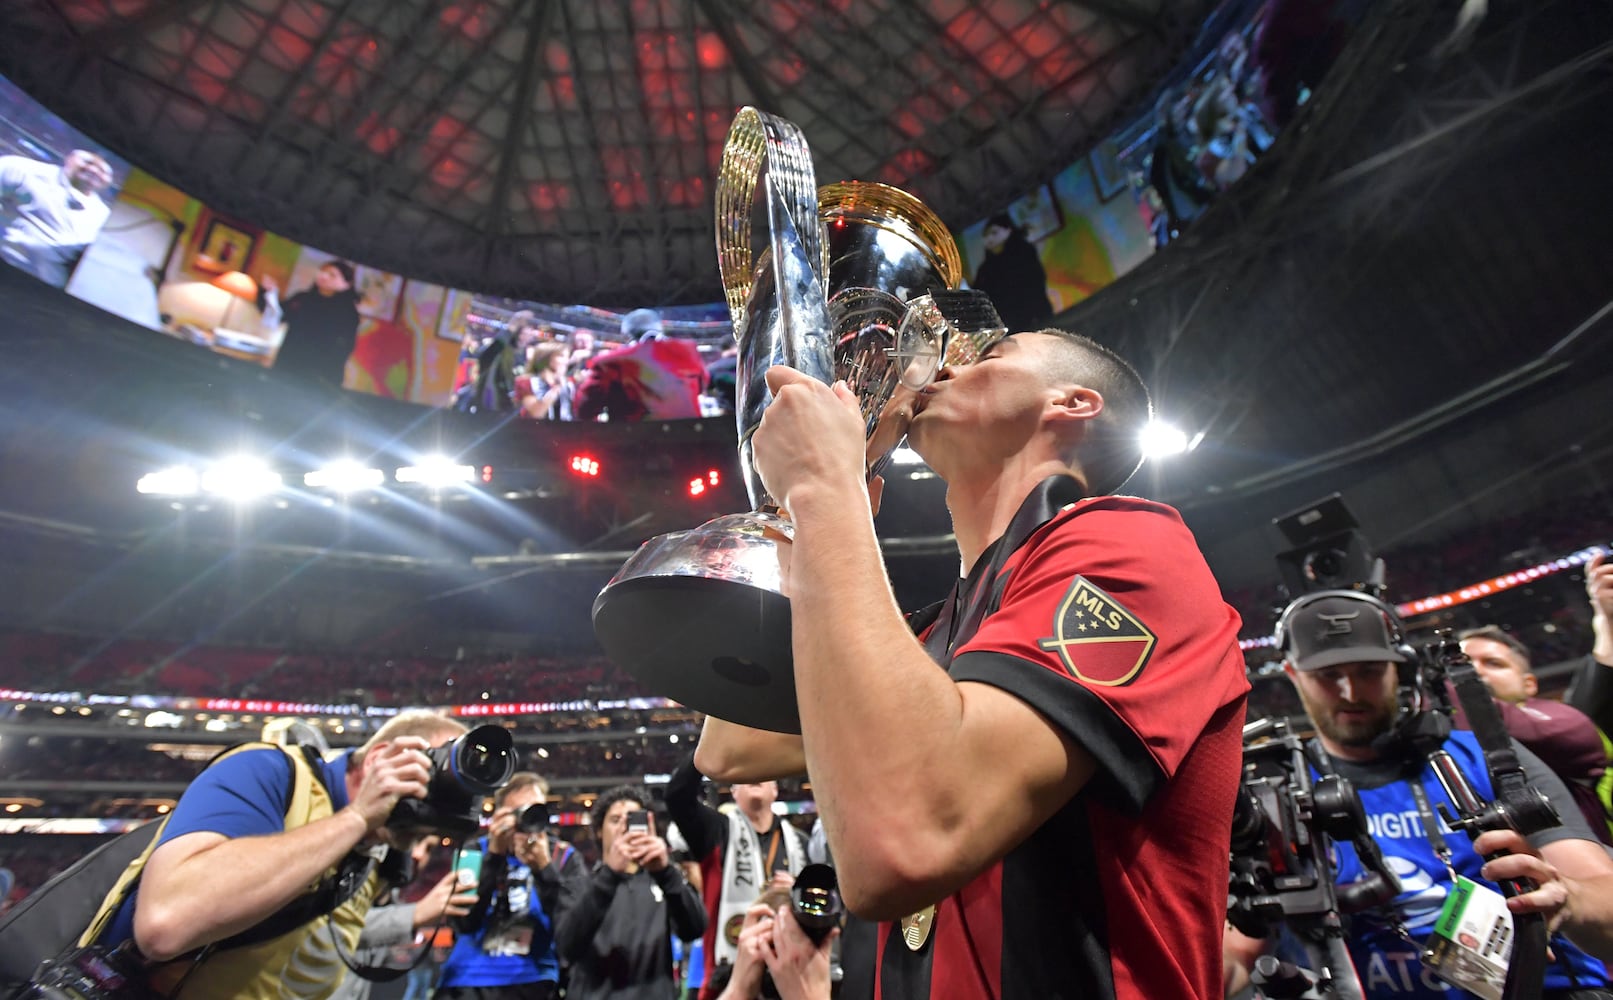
[852,281]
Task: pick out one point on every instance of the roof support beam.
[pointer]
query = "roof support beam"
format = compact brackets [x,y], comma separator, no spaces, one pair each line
[156,16]
[294,82]
[1123,13]
[526,84]
[749,71]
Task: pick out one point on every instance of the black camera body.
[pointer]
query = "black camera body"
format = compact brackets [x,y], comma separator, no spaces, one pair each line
[476,764]
[533,819]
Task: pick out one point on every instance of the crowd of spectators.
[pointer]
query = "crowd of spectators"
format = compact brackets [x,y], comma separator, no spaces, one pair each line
[54,758]
[51,661]
[529,368]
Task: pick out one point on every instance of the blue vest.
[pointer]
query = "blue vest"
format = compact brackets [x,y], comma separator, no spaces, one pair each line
[1388,964]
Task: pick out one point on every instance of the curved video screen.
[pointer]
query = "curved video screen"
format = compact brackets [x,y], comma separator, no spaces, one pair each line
[80,218]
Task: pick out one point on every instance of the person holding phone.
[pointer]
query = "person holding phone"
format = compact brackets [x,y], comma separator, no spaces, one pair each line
[615,925]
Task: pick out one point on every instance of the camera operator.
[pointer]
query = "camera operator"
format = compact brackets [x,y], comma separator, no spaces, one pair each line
[505,948]
[615,926]
[1340,651]
[229,858]
[773,943]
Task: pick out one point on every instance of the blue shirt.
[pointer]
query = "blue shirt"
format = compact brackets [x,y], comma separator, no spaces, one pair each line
[486,956]
[1388,964]
[244,795]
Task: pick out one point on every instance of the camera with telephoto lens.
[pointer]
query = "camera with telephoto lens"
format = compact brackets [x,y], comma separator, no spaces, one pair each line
[476,764]
[816,907]
[815,901]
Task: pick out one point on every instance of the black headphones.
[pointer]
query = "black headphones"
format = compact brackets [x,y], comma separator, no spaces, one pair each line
[1416,731]
[1284,633]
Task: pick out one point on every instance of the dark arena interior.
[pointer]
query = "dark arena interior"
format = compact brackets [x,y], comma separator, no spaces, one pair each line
[1354,247]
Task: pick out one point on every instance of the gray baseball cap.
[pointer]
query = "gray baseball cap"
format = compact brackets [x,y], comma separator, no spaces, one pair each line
[1325,631]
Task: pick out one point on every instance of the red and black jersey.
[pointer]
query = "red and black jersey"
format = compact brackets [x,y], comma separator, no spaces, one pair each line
[1103,615]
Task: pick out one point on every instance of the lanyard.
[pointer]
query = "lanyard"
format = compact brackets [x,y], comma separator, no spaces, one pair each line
[772,850]
[1436,840]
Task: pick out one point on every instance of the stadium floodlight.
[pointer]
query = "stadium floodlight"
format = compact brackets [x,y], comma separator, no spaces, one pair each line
[240,478]
[437,471]
[175,481]
[345,476]
[905,456]
[1161,440]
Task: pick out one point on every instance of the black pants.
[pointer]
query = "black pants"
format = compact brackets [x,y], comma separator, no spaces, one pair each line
[520,991]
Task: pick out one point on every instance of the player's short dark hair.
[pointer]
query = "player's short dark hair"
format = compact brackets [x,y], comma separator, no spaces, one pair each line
[1112,450]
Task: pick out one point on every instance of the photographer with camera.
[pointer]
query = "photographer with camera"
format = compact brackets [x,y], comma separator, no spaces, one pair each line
[785,942]
[615,925]
[259,827]
[505,946]
[1340,650]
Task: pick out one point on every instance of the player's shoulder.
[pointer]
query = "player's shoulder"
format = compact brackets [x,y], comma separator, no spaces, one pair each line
[1121,519]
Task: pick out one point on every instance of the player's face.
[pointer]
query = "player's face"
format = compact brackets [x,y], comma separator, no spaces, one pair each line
[994,405]
[1502,669]
[1351,704]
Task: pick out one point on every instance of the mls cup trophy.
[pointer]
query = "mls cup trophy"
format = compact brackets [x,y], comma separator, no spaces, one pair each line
[853,281]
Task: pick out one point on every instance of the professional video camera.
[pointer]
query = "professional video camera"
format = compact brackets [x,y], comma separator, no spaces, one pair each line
[1281,871]
[476,764]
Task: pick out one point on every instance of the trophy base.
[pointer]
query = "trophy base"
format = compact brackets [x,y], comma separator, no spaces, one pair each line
[714,645]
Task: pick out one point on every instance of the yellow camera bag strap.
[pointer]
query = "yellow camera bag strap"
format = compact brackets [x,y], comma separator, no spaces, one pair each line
[298,813]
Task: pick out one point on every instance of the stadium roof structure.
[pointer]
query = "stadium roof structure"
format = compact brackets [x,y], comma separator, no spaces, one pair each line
[1407,300]
[567,150]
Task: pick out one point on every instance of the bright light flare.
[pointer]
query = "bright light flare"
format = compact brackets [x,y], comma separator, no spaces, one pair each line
[1161,440]
[240,478]
[176,481]
[437,471]
[345,477]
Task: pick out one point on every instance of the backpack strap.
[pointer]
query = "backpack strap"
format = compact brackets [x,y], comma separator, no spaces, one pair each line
[121,888]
